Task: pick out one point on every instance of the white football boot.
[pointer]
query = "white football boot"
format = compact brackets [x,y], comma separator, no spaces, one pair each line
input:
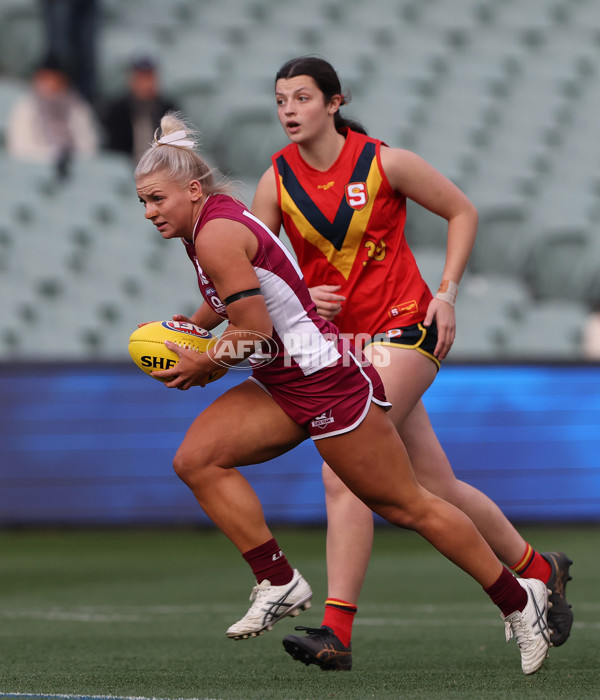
[530,627]
[271,604]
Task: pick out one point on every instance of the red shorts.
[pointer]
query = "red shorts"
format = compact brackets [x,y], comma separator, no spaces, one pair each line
[331,401]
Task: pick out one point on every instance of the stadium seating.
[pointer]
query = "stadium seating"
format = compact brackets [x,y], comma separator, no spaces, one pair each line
[552,330]
[488,310]
[21,37]
[502,96]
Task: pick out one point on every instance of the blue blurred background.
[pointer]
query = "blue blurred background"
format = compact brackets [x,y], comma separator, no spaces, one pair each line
[93,445]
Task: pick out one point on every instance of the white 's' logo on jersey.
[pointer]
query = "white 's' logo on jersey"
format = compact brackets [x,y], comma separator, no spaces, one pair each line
[357,195]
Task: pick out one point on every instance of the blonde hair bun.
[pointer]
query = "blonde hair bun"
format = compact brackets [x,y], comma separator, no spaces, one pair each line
[175,130]
[174,153]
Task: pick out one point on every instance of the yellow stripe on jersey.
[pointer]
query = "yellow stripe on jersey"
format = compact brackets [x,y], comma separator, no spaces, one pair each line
[343,259]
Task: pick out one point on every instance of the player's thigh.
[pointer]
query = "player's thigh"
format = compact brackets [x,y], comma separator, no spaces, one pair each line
[243,426]
[429,461]
[372,461]
[406,375]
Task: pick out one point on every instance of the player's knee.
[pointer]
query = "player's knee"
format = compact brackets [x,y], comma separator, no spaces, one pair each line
[189,466]
[413,514]
[440,487]
[334,486]
[449,490]
[399,517]
[182,466]
[198,467]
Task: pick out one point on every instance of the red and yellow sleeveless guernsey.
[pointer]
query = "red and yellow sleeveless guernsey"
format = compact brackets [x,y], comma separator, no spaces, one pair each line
[346,226]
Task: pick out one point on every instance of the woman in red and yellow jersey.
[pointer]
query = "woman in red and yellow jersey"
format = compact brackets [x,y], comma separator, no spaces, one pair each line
[341,198]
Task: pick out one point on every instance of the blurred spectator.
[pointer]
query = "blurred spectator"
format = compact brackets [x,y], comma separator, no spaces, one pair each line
[51,123]
[71,30]
[591,336]
[131,119]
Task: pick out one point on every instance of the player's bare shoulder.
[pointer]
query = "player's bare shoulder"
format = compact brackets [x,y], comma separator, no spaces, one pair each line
[266,189]
[396,161]
[265,204]
[403,167]
[268,177]
[222,243]
[224,233]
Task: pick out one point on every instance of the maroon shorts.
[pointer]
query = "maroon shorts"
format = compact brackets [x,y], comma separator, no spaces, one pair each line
[331,401]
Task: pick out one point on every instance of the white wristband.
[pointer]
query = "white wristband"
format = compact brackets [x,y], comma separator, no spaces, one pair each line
[447,292]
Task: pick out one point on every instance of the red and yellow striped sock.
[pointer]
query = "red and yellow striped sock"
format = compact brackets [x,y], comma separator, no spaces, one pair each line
[339,616]
[532,565]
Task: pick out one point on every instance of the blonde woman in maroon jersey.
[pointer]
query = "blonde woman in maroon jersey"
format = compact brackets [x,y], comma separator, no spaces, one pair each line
[247,277]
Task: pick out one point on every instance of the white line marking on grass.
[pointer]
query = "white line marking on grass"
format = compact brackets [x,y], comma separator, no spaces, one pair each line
[60,696]
[429,615]
[447,622]
[101,613]
[68,616]
[587,625]
[421,622]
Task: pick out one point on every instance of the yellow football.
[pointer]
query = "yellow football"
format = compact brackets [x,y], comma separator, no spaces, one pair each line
[149,352]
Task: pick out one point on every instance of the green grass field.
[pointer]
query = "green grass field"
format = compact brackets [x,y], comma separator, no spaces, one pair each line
[143,613]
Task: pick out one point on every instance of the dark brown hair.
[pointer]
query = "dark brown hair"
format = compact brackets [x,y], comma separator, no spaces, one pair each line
[327,81]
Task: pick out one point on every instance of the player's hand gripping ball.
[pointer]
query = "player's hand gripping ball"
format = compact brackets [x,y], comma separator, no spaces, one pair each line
[149,352]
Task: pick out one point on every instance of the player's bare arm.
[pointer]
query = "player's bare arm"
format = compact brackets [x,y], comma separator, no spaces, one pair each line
[265,205]
[419,181]
[225,251]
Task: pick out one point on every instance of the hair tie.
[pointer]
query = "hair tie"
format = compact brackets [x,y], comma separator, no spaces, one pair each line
[177,138]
